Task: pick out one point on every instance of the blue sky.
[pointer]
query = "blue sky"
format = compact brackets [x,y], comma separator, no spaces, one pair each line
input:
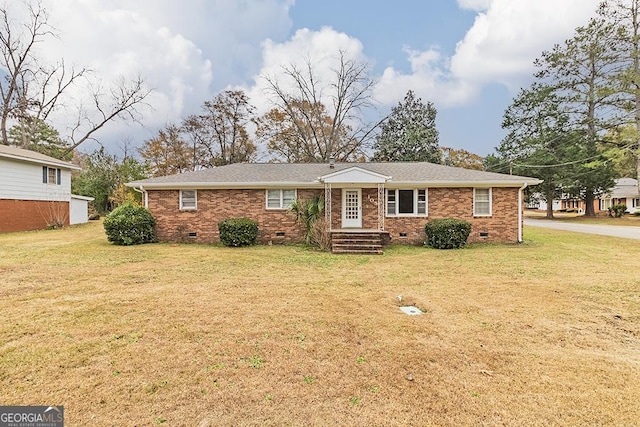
[468,57]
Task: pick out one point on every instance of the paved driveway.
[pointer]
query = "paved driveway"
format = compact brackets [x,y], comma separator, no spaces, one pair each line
[605,230]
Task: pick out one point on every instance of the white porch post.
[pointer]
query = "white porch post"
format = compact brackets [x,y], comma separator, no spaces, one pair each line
[381,206]
[327,205]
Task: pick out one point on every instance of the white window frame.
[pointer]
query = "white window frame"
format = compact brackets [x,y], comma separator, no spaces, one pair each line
[189,207]
[51,176]
[280,198]
[416,202]
[636,202]
[476,202]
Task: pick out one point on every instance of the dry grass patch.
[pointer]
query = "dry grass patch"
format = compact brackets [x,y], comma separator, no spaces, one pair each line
[543,333]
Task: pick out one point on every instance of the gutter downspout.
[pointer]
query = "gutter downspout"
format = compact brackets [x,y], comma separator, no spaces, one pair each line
[520,208]
[145,197]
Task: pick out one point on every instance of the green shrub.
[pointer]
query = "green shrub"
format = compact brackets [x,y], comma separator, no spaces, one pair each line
[447,233]
[130,224]
[238,231]
[617,211]
[637,213]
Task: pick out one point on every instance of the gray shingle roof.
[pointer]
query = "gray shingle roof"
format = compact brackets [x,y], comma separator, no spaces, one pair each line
[625,187]
[10,152]
[301,174]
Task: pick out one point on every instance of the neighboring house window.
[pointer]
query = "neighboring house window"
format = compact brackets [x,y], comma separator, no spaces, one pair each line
[482,202]
[188,199]
[604,204]
[636,203]
[51,175]
[406,202]
[280,199]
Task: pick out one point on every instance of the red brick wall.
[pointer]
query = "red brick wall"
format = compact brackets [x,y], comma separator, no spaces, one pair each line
[215,205]
[26,215]
[174,225]
[501,226]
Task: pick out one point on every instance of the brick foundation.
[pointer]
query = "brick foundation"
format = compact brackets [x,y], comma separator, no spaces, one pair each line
[26,215]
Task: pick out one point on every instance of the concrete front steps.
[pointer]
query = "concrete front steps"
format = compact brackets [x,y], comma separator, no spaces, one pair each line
[352,242]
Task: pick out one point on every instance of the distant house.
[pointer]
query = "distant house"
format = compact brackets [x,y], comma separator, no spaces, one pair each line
[392,201]
[36,191]
[625,192]
[564,203]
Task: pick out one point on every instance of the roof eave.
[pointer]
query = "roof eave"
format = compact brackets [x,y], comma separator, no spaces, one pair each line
[316,184]
[59,164]
[468,183]
[221,185]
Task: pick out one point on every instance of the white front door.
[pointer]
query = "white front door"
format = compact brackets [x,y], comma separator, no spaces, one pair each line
[351,208]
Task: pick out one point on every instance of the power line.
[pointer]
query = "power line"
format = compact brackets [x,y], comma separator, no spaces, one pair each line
[510,163]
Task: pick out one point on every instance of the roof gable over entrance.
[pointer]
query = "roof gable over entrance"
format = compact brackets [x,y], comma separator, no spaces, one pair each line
[354,175]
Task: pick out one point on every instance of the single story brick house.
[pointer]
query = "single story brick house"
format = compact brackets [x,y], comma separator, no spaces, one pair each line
[394,200]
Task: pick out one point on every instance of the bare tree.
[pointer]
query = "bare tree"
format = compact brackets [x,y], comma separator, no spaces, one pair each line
[32,90]
[119,102]
[220,132]
[325,116]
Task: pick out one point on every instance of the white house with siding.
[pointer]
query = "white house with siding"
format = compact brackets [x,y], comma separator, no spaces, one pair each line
[625,192]
[35,191]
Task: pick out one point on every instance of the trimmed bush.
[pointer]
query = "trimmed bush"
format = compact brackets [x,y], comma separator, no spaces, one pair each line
[447,233]
[238,232]
[617,211]
[130,224]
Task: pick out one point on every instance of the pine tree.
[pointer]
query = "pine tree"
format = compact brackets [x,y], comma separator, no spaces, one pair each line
[409,133]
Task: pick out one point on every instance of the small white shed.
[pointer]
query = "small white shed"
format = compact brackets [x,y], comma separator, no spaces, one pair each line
[79,209]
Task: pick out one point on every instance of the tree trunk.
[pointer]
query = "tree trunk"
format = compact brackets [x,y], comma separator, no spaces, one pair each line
[549,196]
[589,200]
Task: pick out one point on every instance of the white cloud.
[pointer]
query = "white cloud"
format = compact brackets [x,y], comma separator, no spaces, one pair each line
[322,48]
[500,47]
[504,41]
[186,51]
[428,78]
[477,5]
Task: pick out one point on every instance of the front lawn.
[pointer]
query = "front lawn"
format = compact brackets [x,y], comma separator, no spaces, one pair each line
[542,333]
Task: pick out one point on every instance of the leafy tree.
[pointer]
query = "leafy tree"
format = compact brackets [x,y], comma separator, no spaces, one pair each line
[579,73]
[409,133]
[34,134]
[619,149]
[103,178]
[32,89]
[168,153]
[220,133]
[461,158]
[99,179]
[624,16]
[302,125]
[539,141]
[290,136]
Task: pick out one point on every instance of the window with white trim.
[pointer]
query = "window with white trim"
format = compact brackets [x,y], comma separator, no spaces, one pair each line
[406,202]
[636,203]
[188,200]
[482,202]
[51,175]
[280,199]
